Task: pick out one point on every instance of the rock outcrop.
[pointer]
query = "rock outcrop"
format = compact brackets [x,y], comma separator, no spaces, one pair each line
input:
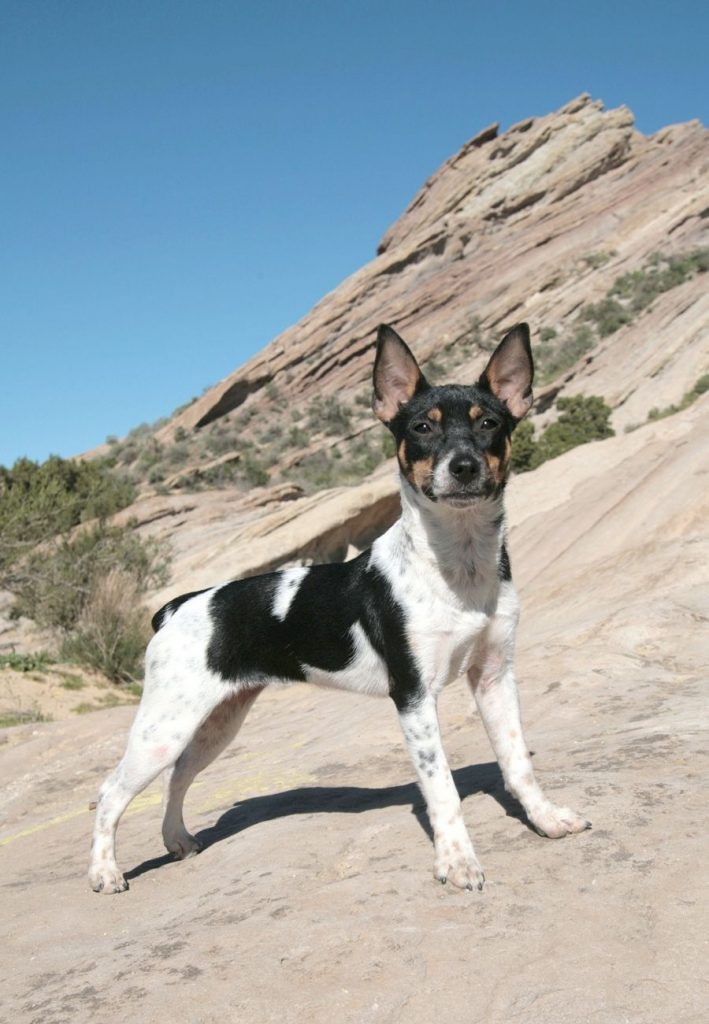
[535,224]
[498,234]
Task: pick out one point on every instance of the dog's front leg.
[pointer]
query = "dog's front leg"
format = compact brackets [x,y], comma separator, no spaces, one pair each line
[495,690]
[455,859]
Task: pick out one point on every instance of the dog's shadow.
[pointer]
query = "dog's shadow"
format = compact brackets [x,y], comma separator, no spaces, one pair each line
[479,778]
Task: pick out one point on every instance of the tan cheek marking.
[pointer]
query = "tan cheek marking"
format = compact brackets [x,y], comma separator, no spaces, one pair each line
[435,414]
[499,466]
[404,462]
[421,472]
[493,463]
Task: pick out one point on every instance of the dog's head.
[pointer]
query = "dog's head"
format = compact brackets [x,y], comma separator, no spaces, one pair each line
[453,441]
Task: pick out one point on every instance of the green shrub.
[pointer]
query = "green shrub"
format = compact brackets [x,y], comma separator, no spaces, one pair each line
[40,500]
[251,470]
[598,259]
[700,387]
[388,446]
[112,630]
[582,419]
[53,583]
[555,360]
[23,716]
[660,274]
[608,315]
[36,662]
[297,437]
[327,414]
[523,447]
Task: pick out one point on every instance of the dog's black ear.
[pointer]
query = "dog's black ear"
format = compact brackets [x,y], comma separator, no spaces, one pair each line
[510,371]
[397,377]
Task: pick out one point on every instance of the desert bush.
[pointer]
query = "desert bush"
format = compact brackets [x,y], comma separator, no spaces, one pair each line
[660,274]
[523,447]
[297,437]
[700,387]
[327,414]
[582,419]
[554,360]
[252,470]
[608,315]
[388,446]
[112,629]
[23,716]
[53,583]
[435,366]
[598,259]
[35,662]
[217,443]
[40,500]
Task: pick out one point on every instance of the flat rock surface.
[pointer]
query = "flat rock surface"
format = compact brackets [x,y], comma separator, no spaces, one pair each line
[314,899]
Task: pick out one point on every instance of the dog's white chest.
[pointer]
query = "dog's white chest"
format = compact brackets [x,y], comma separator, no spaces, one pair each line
[444,615]
[442,635]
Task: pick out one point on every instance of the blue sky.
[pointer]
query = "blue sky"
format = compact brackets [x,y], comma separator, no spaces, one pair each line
[181,181]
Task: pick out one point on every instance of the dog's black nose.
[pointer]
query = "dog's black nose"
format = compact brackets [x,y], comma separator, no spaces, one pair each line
[464,468]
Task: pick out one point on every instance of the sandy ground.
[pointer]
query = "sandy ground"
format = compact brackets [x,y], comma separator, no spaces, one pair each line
[314,899]
[56,692]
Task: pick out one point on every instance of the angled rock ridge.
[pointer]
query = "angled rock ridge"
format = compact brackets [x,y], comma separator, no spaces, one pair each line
[495,234]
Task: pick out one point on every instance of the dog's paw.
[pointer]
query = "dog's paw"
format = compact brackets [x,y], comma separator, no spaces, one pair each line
[557,822]
[459,868]
[182,845]
[107,880]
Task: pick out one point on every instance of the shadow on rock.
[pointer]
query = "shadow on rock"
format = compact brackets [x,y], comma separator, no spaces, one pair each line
[480,778]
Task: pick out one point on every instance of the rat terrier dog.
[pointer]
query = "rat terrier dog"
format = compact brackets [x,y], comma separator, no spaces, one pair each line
[432,599]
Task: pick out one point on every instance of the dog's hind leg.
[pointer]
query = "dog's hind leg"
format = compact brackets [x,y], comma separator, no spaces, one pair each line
[163,727]
[212,737]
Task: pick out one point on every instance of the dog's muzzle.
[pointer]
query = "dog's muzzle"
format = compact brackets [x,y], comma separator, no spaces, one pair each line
[461,478]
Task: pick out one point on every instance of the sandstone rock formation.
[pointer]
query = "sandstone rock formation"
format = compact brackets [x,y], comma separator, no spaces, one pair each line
[498,234]
[531,224]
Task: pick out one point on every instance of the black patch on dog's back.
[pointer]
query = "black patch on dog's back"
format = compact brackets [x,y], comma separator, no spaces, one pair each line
[250,643]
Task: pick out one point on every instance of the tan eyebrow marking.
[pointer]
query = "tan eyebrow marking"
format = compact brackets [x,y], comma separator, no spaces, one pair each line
[435,414]
[475,412]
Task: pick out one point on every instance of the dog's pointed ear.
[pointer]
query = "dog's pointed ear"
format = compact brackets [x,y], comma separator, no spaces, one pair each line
[510,371]
[397,377]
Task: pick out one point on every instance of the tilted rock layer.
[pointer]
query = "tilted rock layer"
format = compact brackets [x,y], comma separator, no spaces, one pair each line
[496,235]
[529,225]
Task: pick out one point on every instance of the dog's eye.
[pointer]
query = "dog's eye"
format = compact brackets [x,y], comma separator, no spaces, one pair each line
[489,423]
[422,427]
